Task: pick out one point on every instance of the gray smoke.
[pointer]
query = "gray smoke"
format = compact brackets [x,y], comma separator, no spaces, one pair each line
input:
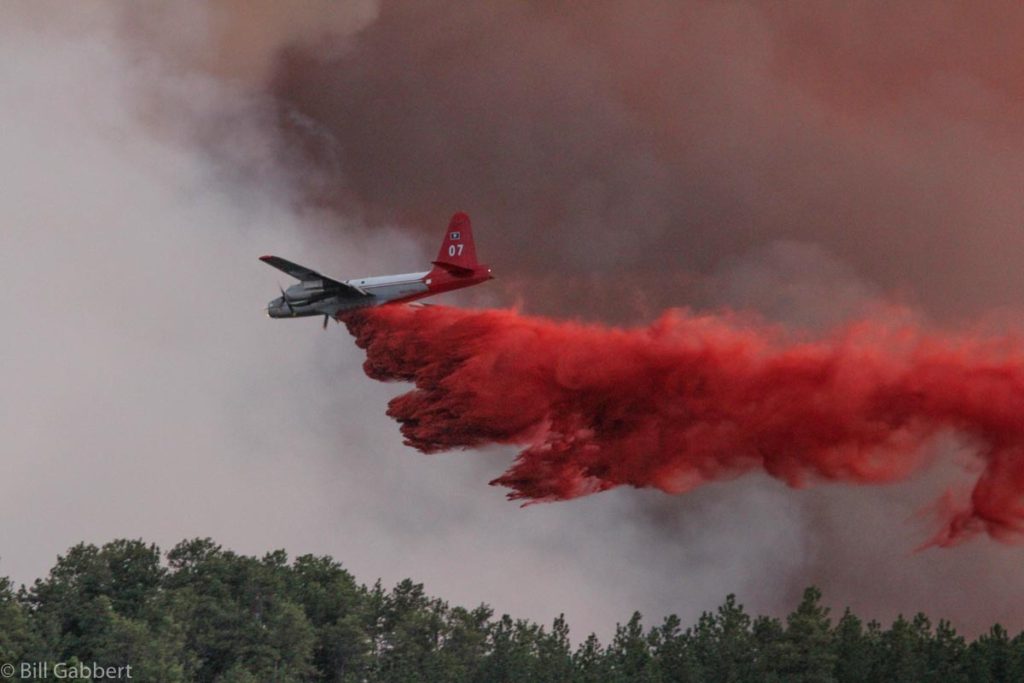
[615,161]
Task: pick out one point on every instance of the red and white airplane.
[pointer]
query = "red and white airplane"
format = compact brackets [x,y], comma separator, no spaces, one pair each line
[455,267]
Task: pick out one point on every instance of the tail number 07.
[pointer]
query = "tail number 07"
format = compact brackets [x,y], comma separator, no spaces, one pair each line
[455,250]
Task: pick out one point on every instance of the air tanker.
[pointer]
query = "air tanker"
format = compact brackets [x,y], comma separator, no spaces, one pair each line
[454,268]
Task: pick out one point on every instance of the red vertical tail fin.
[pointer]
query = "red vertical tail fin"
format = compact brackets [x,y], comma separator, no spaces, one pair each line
[458,252]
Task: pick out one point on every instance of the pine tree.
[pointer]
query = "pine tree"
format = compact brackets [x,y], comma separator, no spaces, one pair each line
[628,654]
[590,663]
[769,638]
[464,643]
[944,655]
[806,654]
[554,657]
[335,607]
[18,642]
[853,650]
[724,645]
[992,657]
[673,653]
[901,654]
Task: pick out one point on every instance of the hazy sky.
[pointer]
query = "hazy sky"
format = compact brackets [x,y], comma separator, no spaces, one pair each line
[616,159]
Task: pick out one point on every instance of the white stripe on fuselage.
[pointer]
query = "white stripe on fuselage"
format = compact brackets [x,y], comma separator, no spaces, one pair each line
[379,280]
[388,287]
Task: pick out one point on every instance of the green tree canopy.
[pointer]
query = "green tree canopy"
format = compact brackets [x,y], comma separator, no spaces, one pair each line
[207,614]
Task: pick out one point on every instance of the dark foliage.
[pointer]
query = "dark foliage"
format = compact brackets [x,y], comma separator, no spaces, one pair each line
[207,614]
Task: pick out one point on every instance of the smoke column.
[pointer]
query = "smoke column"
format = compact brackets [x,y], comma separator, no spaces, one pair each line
[693,399]
[794,160]
[622,159]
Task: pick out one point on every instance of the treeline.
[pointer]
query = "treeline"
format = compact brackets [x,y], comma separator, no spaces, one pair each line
[210,615]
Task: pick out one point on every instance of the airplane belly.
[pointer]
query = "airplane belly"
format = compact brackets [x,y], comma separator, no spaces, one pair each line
[351,305]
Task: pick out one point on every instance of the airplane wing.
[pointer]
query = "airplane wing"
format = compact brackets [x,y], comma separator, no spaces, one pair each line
[306,275]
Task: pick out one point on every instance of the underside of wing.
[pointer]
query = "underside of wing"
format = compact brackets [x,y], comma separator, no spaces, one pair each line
[307,275]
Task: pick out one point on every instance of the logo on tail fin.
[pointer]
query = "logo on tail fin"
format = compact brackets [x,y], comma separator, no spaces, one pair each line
[458,253]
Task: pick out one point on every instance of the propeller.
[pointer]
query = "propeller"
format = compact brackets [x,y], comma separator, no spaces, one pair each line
[284,298]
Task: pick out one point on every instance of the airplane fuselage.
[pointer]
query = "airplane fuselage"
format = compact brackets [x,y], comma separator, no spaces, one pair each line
[311,298]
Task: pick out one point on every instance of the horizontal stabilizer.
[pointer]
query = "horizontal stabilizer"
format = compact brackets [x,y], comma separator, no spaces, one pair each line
[453,269]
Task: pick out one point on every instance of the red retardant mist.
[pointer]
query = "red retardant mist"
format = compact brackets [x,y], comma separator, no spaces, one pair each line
[693,399]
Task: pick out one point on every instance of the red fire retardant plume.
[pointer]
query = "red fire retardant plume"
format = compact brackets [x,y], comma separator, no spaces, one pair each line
[693,399]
